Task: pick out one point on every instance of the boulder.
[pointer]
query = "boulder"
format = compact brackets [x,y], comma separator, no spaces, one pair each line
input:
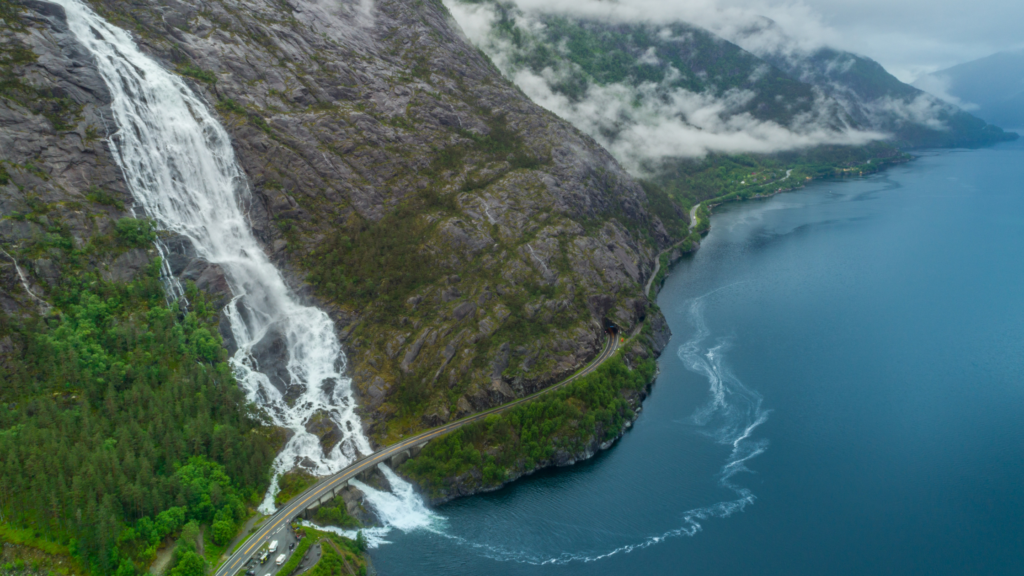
[271,355]
[463,310]
[325,429]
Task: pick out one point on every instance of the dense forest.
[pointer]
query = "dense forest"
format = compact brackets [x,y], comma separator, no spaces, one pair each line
[121,424]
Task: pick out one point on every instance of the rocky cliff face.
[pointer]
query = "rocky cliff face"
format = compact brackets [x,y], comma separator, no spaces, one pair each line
[470,245]
[56,170]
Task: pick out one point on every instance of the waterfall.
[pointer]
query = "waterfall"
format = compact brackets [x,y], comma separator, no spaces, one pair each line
[179,165]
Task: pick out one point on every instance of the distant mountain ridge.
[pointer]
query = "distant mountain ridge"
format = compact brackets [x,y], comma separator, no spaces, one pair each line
[992,87]
[875,98]
[651,91]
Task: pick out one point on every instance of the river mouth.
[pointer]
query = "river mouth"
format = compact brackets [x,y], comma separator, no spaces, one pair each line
[841,395]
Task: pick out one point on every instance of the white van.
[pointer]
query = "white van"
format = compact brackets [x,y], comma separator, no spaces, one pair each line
[280,559]
[273,546]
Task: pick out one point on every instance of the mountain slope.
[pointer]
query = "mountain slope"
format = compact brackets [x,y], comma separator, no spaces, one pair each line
[991,88]
[655,92]
[469,245]
[877,99]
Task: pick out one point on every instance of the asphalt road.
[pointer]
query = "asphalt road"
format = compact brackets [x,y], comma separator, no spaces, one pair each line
[657,259]
[286,542]
[277,526]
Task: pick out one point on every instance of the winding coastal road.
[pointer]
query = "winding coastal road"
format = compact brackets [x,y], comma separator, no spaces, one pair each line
[657,260]
[236,563]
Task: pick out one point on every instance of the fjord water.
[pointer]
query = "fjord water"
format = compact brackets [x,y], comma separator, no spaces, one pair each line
[843,394]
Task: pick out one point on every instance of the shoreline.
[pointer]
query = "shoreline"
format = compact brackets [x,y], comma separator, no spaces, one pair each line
[710,204]
[570,442]
[469,484]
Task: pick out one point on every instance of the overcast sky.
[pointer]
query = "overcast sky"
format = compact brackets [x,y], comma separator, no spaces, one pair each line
[910,37]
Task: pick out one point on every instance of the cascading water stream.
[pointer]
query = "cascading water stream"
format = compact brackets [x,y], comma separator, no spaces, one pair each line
[181,168]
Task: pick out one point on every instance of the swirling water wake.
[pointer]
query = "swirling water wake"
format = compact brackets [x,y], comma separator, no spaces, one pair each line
[181,169]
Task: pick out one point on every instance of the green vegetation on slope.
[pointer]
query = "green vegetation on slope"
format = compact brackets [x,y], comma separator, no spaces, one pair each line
[61,111]
[293,483]
[667,209]
[120,421]
[487,453]
[723,178]
[336,515]
[672,56]
[376,267]
[382,263]
[343,557]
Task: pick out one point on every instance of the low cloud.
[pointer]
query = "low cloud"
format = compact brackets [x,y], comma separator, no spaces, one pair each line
[644,124]
[758,28]
[939,85]
[925,110]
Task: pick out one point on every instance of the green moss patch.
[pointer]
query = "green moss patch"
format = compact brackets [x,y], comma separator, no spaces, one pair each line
[292,484]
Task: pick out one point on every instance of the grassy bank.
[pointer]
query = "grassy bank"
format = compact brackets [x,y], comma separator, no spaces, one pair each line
[293,483]
[340,555]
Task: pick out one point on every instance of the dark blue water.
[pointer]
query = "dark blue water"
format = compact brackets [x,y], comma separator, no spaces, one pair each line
[843,394]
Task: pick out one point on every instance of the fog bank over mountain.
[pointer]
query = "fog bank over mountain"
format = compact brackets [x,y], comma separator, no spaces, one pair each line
[909,38]
[655,80]
[648,92]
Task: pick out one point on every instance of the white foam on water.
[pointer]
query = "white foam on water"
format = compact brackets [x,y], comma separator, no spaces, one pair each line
[374,536]
[734,411]
[402,508]
[180,167]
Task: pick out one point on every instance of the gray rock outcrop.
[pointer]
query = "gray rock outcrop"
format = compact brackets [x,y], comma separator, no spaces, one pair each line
[359,128]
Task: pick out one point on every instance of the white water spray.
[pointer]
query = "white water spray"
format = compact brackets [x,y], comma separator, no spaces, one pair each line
[180,166]
[401,509]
